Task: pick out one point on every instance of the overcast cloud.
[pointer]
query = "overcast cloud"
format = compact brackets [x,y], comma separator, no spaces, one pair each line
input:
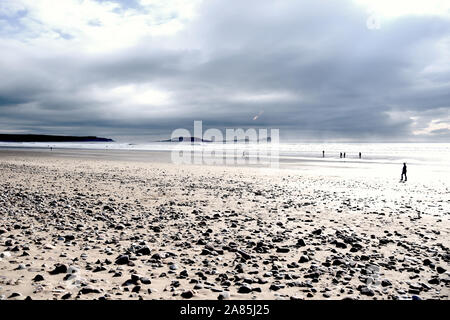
[315,69]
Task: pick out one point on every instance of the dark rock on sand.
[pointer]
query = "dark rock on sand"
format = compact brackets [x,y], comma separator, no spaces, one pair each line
[366,291]
[304,258]
[145,280]
[38,277]
[123,259]
[301,243]
[66,296]
[439,269]
[87,290]
[245,288]
[145,250]
[59,268]
[187,294]
[386,283]
[224,295]
[282,250]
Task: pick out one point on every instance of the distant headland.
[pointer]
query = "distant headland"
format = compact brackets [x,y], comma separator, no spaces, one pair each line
[49,138]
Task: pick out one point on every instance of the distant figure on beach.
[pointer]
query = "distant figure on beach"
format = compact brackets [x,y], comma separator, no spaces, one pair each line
[340,155]
[323,154]
[403,173]
[360,155]
[344,154]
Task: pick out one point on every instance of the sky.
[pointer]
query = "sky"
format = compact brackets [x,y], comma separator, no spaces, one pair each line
[317,70]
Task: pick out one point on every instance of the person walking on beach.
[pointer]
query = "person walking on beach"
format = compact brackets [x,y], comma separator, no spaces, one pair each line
[344,154]
[323,154]
[340,155]
[360,155]
[403,173]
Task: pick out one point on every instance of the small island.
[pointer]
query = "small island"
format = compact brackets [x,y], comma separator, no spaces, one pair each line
[195,139]
[49,138]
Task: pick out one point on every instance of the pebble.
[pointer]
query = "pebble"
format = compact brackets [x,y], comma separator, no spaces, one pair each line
[38,277]
[73,269]
[15,295]
[245,288]
[5,254]
[303,259]
[439,269]
[59,268]
[225,295]
[88,290]
[145,250]
[21,267]
[145,280]
[366,291]
[123,259]
[187,294]
[66,296]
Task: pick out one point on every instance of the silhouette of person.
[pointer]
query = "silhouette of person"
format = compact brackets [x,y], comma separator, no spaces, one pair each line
[340,155]
[403,173]
[344,154]
[360,155]
[323,154]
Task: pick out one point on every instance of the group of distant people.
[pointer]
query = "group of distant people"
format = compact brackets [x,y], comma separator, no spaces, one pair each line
[403,177]
[341,154]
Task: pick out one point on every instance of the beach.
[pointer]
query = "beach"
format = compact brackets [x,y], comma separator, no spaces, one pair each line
[79,225]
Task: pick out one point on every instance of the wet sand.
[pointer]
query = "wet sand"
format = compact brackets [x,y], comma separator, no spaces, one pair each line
[75,225]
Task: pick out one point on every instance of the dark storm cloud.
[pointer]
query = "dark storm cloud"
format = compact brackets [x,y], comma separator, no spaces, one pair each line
[315,70]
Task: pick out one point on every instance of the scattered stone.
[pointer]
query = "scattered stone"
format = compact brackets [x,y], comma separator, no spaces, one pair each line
[145,250]
[72,270]
[225,295]
[5,254]
[439,269]
[145,280]
[304,258]
[434,281]
[38,278]
[123,259]
[366,291]
[245,288]
[59,268]
[88,290]
[66,296]
[15,295]
[386,283]
[187,294]
[136,289]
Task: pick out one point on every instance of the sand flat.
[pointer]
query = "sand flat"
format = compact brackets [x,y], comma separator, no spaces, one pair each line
[107,227]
